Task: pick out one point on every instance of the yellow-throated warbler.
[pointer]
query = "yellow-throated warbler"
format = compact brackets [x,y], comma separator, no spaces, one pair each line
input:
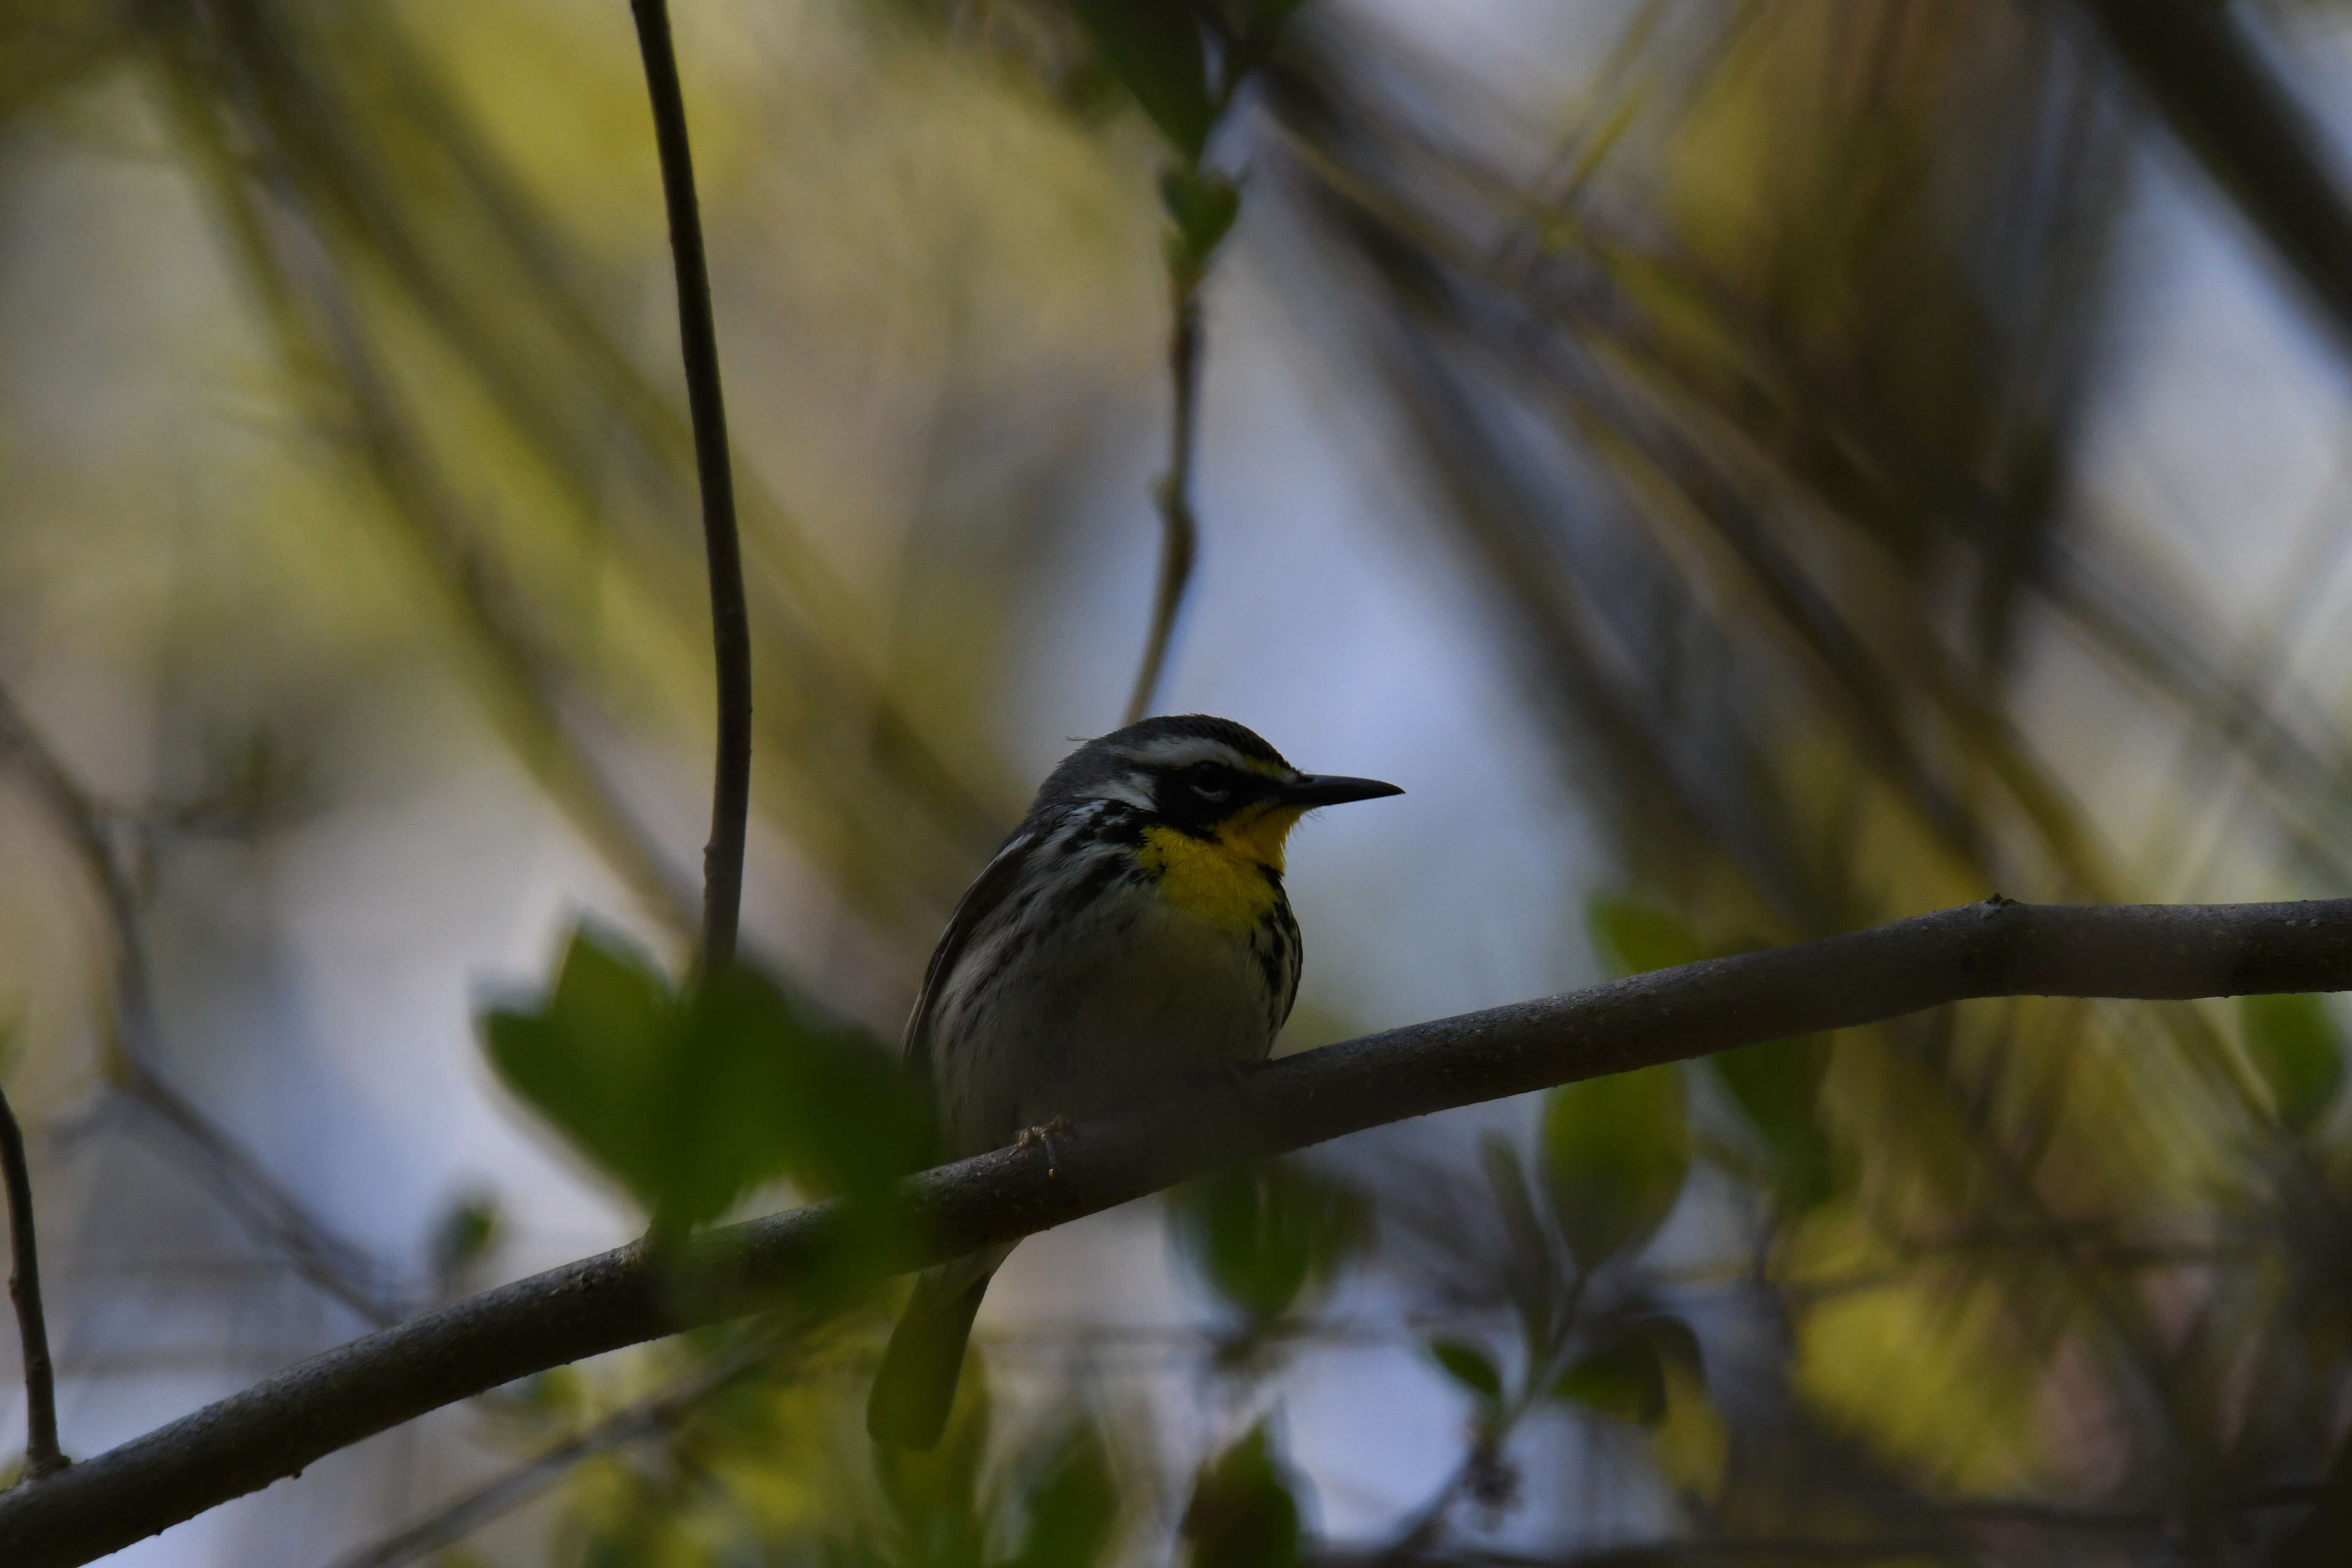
[1131,934]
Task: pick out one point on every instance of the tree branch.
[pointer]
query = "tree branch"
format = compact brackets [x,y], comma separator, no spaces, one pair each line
[42,1456]
[730,621]
[1997,948]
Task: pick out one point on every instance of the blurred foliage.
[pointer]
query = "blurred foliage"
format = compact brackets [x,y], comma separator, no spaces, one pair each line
[1750,379]
[1267,1239]
[1244,1512]
[1616,1152]
[689,1100]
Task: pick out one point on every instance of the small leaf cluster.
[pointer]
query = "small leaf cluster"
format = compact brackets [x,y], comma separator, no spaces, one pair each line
[691,1098]
[1182,61]
[1610,1161]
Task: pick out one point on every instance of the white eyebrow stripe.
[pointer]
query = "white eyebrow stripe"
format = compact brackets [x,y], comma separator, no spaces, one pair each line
[1183,750]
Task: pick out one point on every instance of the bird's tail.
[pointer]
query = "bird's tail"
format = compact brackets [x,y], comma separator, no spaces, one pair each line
[916,1385]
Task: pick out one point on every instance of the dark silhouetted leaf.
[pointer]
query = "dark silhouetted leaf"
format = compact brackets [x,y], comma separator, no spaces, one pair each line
[1154,47]
[1627,1379]
[1615,1151]
[1260,1237]
[2296,1045]
[1624,1381]
[1468,1365]
[1202,206]
[1245,1509]
[590,1059]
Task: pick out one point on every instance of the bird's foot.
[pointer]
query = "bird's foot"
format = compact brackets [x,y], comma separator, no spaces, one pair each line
[1043,1138]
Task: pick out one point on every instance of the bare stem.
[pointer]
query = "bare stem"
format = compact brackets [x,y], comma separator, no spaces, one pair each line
[504,1493]
[341,1267]
[1999,948]
[1180,534]
[42,1456]
[730,621]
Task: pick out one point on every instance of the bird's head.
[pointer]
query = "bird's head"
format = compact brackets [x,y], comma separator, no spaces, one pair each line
[1210,779]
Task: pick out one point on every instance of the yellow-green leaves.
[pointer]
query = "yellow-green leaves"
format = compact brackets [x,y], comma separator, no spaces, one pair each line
[689,1100]
[2299,1051]
[1261,1237]
[1245,1509]
[1616,1152]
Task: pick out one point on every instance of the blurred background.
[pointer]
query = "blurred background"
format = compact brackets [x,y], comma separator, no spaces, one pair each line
[1748,470]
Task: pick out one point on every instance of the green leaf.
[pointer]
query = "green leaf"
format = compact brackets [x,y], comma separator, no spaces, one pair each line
[1202,206]
[464,1235]
[1627,1380]
[1153,47]
[1245,1509]
[1616,1152]
[781,1090]
[1073,1504]
[689,1102]
[1626,1383]
[1470,1366]
[1262,1235]
[1633,938]
[590,1059]
[2298,1049]
[1777,1085]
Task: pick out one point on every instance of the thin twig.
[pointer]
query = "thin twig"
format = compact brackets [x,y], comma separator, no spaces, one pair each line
[42,1456]
[502,1494]
[730,621]
[1997,948]
[340,1267]
[1179,532]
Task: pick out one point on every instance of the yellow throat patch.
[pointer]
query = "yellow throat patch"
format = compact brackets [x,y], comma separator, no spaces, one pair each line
[1223,880]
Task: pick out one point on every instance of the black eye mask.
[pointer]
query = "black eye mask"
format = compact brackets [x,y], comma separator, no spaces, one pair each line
[1199,796]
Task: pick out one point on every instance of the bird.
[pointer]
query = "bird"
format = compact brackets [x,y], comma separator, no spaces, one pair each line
[1131,937]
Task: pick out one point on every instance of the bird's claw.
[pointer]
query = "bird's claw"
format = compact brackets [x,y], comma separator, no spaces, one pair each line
[1043,1138]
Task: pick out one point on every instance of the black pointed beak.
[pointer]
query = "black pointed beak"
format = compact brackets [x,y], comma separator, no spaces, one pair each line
[1331,789]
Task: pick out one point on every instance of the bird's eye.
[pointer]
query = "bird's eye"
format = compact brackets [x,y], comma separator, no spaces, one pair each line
[1208,781]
